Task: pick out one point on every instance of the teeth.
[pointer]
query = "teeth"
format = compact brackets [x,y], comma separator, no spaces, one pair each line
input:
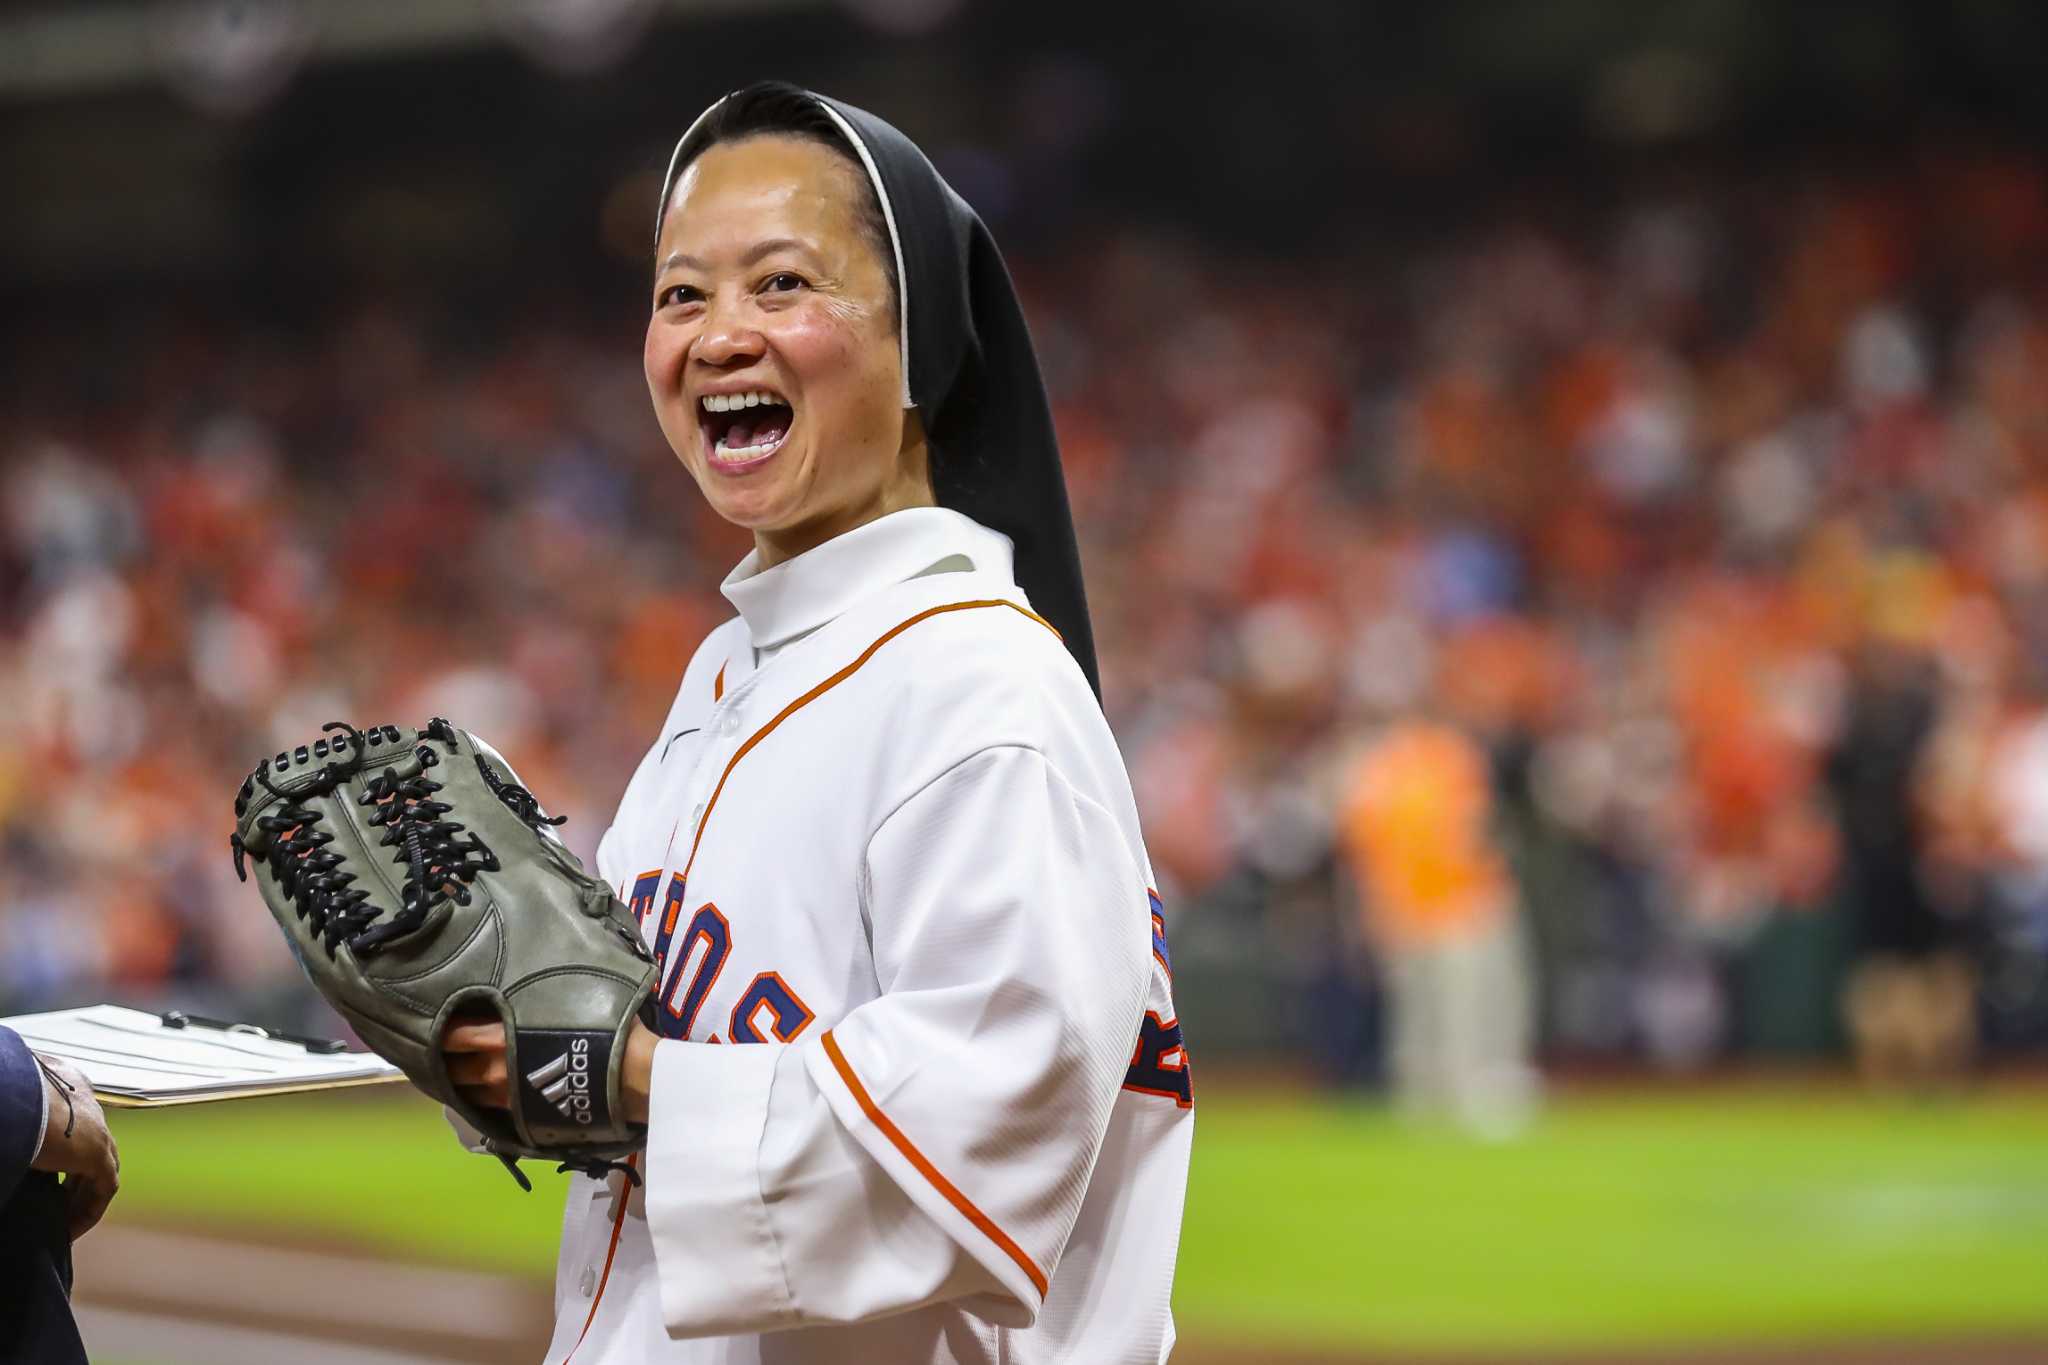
[733,402]
[742,454]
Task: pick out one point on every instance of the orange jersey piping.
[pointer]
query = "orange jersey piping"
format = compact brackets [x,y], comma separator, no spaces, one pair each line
[611,1253]
[927,1170]
[821,689]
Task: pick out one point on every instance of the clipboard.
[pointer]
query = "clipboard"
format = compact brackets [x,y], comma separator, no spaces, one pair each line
[137,1060]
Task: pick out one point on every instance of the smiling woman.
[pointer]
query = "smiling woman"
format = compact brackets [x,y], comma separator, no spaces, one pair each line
[884,831]
[773,355]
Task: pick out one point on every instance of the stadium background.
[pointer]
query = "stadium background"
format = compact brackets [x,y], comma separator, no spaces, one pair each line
[1655,394]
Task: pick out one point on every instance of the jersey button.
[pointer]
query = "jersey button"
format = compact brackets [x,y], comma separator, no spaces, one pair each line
[730,723]
[588,1284]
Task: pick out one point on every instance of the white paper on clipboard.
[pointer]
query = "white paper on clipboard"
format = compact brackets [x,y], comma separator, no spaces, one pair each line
[131,1057]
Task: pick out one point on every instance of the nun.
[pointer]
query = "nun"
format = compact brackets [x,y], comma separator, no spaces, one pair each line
[918,1090]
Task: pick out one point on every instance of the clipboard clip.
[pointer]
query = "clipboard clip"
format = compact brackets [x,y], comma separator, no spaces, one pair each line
[321,1046]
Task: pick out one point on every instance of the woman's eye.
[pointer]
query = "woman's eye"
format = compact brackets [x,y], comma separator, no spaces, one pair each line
[782,282]
[676,294]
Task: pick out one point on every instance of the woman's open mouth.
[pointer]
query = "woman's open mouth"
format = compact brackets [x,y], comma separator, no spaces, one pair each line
[743,429]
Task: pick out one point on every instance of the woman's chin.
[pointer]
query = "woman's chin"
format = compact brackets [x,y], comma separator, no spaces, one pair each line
[748,513]
[753,504]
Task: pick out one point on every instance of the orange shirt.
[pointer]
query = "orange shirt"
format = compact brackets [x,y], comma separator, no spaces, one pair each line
[1415,823]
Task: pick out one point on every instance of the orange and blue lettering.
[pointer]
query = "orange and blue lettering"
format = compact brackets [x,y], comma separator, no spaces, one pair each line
[1159,1064]
[769,992]
[671,911]
[642,899]
[1159,931]
[709,928]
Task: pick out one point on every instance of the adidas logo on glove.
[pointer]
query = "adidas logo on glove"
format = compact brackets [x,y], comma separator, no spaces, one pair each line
[565,1082]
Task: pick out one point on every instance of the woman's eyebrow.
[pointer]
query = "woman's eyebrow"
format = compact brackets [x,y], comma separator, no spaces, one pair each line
[761,250]
[752,256]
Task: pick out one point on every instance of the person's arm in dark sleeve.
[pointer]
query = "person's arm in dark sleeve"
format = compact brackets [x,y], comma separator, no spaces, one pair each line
[24,1111]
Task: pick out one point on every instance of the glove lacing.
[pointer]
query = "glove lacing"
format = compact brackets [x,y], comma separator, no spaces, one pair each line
[439,861]
[517,799]
[439,864]
[305,870]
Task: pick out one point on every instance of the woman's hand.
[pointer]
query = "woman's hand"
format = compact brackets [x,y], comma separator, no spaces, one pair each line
[475,1052]
[77,1145]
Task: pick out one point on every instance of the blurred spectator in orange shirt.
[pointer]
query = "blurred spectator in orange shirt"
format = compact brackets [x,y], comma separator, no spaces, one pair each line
[1440,906]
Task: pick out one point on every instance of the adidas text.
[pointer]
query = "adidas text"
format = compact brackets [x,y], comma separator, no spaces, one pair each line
[565,1082]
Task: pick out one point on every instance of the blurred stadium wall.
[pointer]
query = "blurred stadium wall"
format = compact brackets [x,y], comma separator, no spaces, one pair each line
[1649,396]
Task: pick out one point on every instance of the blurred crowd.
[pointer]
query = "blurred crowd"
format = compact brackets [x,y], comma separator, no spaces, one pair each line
[1657,575]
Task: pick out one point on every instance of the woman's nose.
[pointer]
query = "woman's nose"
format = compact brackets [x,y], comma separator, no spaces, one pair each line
[727,338]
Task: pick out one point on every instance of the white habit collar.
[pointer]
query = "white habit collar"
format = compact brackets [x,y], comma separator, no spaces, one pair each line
[795,597]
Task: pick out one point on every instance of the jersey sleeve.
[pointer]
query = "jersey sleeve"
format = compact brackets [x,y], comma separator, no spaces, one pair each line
[946,1129]
[24,1111]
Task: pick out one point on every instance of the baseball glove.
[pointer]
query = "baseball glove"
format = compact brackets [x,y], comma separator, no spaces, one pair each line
[415,880]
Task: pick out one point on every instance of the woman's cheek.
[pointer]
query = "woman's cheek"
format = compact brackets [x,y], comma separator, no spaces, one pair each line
[822,336]
[839,354]
[661,357]
[661,360]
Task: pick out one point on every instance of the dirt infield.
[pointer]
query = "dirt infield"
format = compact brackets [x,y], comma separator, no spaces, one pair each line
[253,1293]
[155,1296]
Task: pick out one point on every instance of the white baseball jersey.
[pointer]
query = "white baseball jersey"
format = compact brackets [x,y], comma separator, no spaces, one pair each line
[886,835]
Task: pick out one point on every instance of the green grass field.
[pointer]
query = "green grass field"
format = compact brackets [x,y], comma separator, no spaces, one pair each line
[1707,1217]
